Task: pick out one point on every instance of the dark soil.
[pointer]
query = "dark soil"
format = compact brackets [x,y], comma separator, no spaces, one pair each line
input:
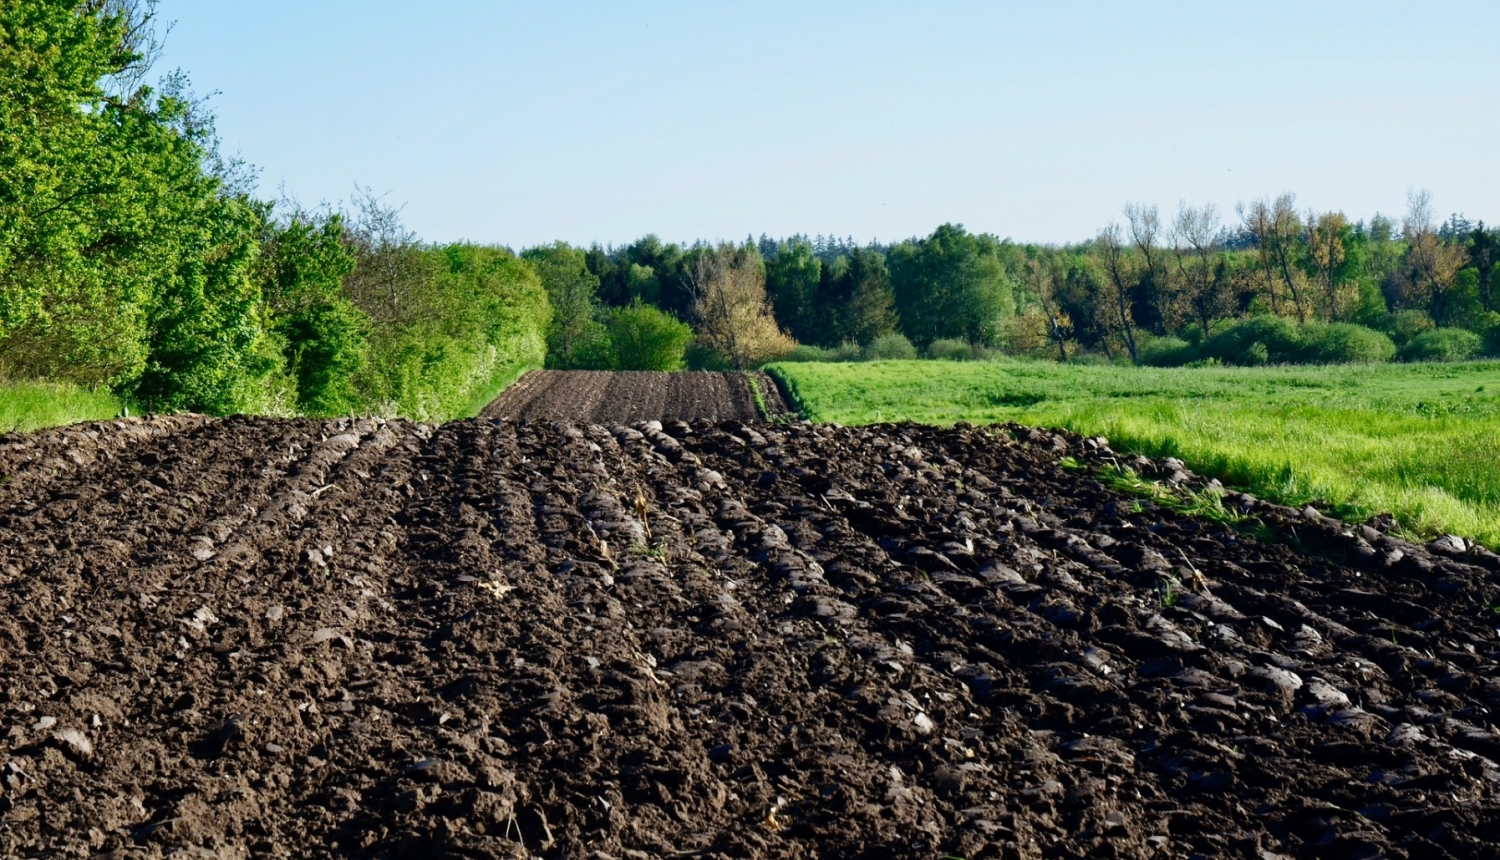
[602,397]
[364,639]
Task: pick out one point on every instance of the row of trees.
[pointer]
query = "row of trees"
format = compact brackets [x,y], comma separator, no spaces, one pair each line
[756,301]
[1139,290]
[133,254]
[1151,277]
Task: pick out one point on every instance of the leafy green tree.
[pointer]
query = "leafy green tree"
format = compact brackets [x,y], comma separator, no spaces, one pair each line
[323,336]
[60,149]
[482,318]
[576,338]
[855,300]
[126,245]
[642,337]
[207,349]
[1484,253]
[648,269]
[793,275]
[951,284]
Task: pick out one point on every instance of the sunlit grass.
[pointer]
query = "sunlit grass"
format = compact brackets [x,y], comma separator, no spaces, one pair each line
[33,405]
[1421,442]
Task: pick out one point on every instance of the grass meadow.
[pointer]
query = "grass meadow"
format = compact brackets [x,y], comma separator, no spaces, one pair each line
[33,405]
[1419,441]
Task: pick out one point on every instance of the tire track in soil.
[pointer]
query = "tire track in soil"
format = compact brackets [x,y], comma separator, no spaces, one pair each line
[371,639]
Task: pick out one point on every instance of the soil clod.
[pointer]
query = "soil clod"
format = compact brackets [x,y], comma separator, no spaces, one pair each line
[594,636]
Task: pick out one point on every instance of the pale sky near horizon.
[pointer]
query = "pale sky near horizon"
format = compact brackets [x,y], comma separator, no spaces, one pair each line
[521,123]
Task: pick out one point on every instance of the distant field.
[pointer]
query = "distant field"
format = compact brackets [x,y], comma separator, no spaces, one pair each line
[33,405]
[1421,442]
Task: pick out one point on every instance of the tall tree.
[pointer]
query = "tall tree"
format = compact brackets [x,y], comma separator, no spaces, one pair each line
[1196,250]
[730,306]
[866,302]
[1483,254]
[126,243]
[792,277]
[575,339]
[1120,283]
[1278,235]
[1431,263]
[1042,274]
[1150,302]
[1327,242]
[951,284]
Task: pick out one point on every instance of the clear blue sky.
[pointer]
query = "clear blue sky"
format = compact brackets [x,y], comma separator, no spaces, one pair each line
[520,123]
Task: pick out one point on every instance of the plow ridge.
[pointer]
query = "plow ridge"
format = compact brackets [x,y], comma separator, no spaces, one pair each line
[612,639]
[608,397]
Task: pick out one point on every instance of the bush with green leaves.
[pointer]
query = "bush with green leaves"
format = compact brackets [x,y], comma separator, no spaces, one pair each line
[890,347]
[1344,343]
[642,337]
[1167,352]
[950,349]
[1404,325]
[126,242]
[1443,344]
[1487,326]
[844,352]
[1280,341]
[1269,339]
[478,318]
[323,337]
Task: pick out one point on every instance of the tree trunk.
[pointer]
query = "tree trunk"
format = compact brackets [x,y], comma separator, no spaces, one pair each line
[1062,345]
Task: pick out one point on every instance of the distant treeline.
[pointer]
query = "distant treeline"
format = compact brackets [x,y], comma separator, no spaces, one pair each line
[1168,291]
[1303,287]
[135,256]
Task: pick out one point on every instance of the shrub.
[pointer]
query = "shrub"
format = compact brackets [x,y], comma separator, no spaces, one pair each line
[807,352]
[1092,359]
[846,351]
[1443,344]
[322,336]
[645,338]
[476,317]
[1166,352]
[1344,343]
[1488,328]
[701,356]
[890,347]
[1403,326]
[1279,339]
[950,349]
[325,347]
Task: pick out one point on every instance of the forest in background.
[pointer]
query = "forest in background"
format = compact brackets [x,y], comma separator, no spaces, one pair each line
[1274,286]
[136,258]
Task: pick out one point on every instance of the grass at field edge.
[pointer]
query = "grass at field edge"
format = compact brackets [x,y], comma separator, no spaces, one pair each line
[27,406]
[1417,441]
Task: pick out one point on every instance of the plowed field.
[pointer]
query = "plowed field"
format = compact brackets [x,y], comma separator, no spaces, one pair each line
[233,638]
[604,397]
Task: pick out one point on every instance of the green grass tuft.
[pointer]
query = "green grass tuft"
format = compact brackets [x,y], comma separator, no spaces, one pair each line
[26,406]
[1418,441]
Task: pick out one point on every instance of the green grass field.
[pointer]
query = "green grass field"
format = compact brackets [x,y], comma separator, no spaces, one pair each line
[1421,442]
[33,405]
